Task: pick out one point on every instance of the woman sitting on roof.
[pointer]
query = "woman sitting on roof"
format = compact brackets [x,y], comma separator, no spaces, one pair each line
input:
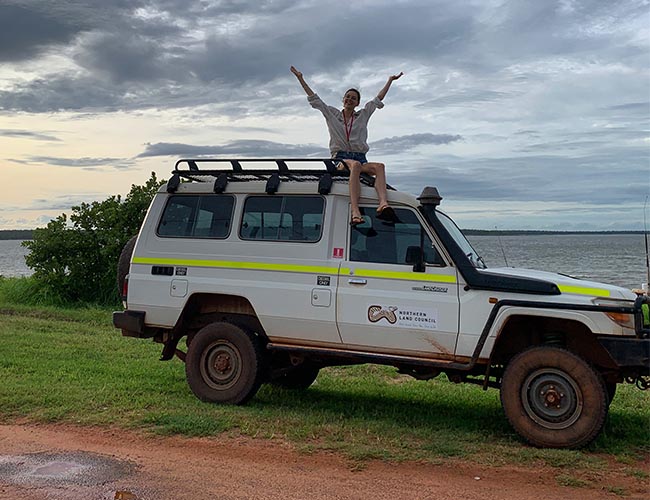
[348,141]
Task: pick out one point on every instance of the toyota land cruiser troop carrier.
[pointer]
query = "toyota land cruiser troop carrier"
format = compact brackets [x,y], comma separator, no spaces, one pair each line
[262,273]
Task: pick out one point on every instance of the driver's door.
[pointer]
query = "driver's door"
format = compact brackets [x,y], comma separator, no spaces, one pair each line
[383,305]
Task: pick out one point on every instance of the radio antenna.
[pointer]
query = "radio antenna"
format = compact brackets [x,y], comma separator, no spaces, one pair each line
[504,252]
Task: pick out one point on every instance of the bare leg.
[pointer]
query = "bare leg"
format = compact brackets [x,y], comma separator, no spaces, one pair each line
[355,186]
[379,171]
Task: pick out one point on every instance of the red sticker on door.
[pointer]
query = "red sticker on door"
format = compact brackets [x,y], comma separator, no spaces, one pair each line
[338,253]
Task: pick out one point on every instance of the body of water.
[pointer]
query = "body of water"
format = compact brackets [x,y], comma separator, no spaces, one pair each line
[617,259]
[607,258]
[12,259]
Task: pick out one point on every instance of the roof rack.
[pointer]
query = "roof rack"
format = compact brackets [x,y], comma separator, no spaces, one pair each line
[277,172]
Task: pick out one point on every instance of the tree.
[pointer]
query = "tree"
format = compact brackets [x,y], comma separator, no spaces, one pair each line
[75,257]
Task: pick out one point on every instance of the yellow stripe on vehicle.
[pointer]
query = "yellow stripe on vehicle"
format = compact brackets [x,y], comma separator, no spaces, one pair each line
[229,264]
[293,268]
[582,290]
[397,275]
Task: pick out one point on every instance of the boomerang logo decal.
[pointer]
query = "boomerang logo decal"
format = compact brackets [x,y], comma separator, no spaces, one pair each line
[376,313]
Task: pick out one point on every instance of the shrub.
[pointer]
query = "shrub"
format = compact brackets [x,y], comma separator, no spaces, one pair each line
[74,258]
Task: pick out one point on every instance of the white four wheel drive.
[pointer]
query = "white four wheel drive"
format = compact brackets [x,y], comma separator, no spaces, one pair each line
[259,269]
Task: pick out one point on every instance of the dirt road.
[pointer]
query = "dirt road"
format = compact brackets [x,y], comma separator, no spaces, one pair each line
[74,463]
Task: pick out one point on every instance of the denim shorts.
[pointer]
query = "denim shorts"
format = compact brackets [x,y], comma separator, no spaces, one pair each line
[350,155]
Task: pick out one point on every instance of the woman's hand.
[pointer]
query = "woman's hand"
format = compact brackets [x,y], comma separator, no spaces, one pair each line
[304,85]
[391,79]
[296,72]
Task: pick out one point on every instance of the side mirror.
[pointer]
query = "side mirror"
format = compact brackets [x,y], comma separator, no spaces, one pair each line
[415,256]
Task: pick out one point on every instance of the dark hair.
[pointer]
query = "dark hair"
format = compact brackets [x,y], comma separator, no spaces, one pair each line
[356,92]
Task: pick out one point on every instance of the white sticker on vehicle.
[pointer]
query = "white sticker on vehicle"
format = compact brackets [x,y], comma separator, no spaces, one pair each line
[403,317]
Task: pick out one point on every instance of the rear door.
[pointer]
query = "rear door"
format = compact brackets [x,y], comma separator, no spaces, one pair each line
[382,304]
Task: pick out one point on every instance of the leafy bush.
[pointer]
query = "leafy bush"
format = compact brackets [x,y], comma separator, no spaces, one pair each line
[74,258]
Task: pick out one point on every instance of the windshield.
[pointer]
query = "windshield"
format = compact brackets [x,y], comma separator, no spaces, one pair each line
[461,241]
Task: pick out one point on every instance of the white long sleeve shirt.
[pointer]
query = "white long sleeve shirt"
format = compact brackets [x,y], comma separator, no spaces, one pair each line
[336,125]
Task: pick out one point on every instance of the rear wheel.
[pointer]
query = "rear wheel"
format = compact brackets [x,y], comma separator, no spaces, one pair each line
[124,263]
[224,364]
[611,391]
[298,378]
[553,398]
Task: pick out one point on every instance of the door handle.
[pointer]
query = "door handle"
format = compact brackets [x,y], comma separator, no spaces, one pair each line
[357,281]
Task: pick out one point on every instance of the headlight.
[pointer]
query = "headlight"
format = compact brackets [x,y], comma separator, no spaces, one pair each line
[623,319]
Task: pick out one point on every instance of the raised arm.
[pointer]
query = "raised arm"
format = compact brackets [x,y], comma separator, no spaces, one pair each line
[302,81]
[391,79]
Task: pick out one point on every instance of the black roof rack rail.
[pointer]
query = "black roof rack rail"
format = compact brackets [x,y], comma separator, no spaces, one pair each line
[234,172]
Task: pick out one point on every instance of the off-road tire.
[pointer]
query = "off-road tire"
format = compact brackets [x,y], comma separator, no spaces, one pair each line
[554,398]
[224,364]
[611,392]
[299,378]
[124,262]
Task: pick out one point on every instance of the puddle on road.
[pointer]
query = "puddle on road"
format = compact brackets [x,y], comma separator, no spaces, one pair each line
[61,469]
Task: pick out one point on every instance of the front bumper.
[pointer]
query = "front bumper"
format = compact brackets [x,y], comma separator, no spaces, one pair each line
[628,353]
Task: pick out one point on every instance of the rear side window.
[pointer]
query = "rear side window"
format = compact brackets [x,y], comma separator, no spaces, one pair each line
[283,218]
[191,216]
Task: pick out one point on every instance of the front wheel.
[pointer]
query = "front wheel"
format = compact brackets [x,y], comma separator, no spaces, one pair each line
[553,398]
[224,364]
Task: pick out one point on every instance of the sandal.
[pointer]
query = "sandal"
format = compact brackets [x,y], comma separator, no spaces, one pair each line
[386,212]
[356,220]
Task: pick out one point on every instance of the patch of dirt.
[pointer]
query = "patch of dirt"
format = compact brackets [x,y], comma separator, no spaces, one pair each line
[57,462]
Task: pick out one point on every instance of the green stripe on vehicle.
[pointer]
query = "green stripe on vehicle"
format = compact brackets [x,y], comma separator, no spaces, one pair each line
[294,268]
[397,275]
[583,290]
[230,264]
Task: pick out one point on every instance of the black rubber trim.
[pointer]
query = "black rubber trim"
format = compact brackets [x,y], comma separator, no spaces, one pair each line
[628,352]
[130,322]
[474,277]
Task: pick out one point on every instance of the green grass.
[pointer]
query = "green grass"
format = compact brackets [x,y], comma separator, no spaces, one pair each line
[571,481]
[28,291]
[72,366]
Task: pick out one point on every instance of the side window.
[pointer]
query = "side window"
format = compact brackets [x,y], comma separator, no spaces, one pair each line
[282,218]
[192,216]
[386,242]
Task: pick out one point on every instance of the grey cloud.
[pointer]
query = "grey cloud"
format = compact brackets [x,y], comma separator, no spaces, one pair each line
[269,148]
[62,93]
[561,85]
[587,141]
[590,178]
[56,203]
[634,107]
[64,202]
[27,134]
[463,97]
[240,148]
[405,143]
[125,57]
[24,32]
[175,69]
[76,162]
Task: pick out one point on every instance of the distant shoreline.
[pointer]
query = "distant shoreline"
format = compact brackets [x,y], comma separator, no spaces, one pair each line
[27,234]
[16,234]
[533,232]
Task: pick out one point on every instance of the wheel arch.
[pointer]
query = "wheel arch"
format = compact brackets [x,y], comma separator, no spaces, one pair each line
[522,331]
[202,309]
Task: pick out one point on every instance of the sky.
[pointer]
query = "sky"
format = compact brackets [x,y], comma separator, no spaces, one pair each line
[525,114]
